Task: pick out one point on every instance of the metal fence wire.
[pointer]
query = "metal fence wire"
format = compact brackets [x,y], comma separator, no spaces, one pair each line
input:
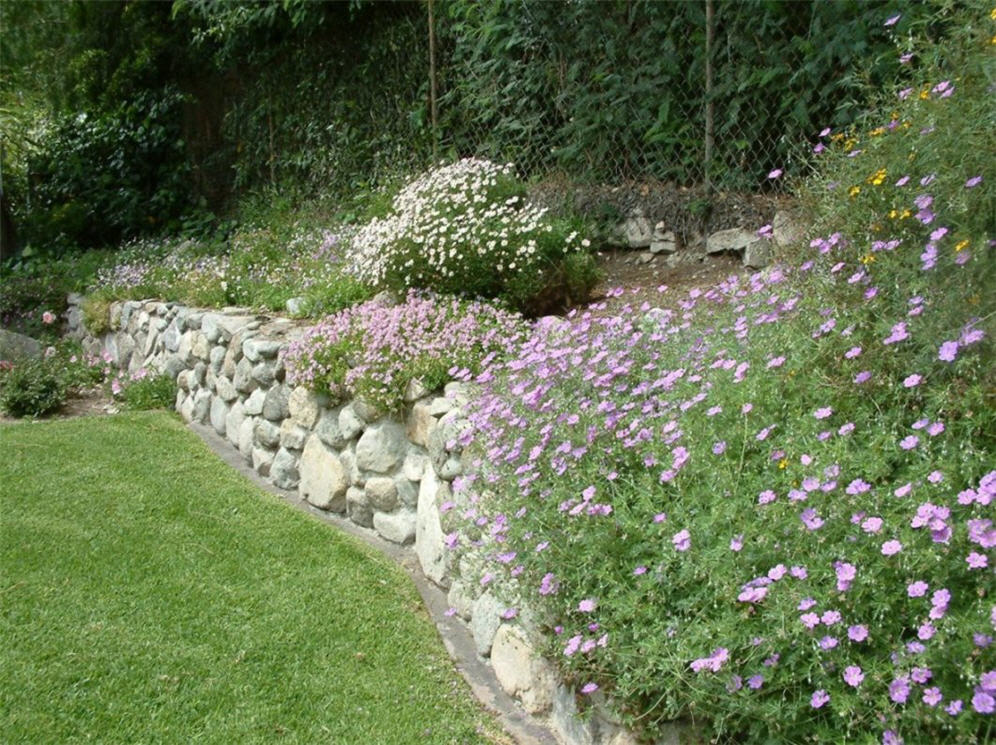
[614,93]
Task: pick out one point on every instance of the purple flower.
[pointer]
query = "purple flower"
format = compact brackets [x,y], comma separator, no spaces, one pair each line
[857,633]
[858,486]
[810,519]
[862,377]
[639,570]
[973,182]
[976,560]
[912,381]
[775,173]
[853,675]
[889,737]
[948,351]
[823,413]
[893,20]
[589,688]
[983,702]
[828,642]
[587,605]
[737,542]
[954,708]
[909,442]
[899,689]
[819,698]
[682,540]
[890,548]
[921,674]
[755,681]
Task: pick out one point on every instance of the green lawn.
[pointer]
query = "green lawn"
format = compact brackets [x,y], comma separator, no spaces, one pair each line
[149,594]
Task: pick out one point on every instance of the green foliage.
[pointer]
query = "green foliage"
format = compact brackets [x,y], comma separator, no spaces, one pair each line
[30,388]
[768,507]
[97,314]
[136,561]
[144,391]
[467,229]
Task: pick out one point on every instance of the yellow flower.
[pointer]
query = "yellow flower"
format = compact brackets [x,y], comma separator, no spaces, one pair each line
[877,178]
[961,245]
[783,464]
[854,191]
[877,131]
[893,214]
[992,14]
[868,259]
[906,213]
[924,94]
[850,143]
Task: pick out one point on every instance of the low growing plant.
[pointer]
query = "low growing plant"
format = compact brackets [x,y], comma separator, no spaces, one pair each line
[143,389]
[466,229]
[30,388]
[373,350]
[768,509]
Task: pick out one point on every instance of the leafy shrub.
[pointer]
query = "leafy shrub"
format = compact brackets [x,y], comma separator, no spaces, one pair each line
[769,509]
[30,388]
[373,350]
[465,228]
[97,314]
[141,390]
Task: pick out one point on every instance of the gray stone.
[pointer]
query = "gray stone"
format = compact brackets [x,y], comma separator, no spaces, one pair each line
[461,597]
[787,228]
[292,436]
[350,425]
[223,386]
[407,492]
[566,722]
[127,307]
[246,435]
[645,258]
[637,230]
[199,374]
[304,407]
[415,390]
[444,439]
[323,479]
[416,464]
[382,494]
[283,470]
[275,403]
[126,347]
[217,358]
[733,239]
[193,319]
[295,306]
[757,255]
[202,405]
[328,430]
[233,422]
[201,348]
[267,433]
[186,408]
[667,243]
[185,350]
[521,671]
[366,411]
[397,527]
[151,342]
[219,414]
[254,404]
[420,423]
[261,460]
[440,405]
[243,380]
[348,458]
[451,468]
[460,393]
[259,349]
[183,380]
[357,508]
[484,622]
[265,372]
[171,338]
[429,546]
[210,327]
[381,447]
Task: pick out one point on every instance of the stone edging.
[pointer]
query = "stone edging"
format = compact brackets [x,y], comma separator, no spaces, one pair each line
[380,477]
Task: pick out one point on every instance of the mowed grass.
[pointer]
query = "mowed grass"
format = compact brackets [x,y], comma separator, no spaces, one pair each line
[149,594]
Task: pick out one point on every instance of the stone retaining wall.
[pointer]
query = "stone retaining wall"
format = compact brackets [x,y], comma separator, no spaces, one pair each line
[388,474]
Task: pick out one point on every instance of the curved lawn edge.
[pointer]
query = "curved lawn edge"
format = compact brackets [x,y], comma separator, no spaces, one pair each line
[457,639]
[69,517]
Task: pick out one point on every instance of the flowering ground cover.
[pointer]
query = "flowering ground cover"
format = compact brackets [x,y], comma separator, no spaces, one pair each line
[769,507]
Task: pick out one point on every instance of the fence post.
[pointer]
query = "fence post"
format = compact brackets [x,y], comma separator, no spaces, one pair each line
[433,111]
[708,96]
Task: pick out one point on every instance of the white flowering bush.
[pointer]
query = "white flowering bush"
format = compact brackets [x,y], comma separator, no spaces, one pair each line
[466,228]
